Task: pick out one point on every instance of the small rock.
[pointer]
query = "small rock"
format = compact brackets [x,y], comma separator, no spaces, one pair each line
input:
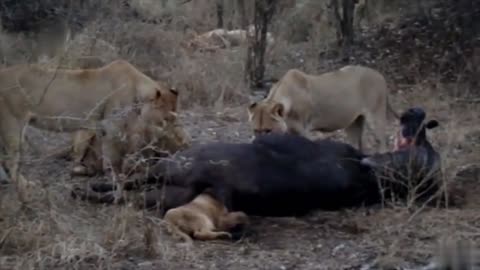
[337,249]
[469,172]
[145,264]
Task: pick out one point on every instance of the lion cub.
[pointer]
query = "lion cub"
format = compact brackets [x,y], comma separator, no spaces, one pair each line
[204,218]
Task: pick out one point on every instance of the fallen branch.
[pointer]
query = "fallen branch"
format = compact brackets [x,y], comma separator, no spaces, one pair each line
[468,100]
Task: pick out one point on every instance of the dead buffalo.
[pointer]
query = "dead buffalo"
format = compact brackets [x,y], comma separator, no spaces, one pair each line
[286,174]
[275,175]
[413,170]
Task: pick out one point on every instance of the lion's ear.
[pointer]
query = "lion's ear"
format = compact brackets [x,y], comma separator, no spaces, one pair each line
[278,109]
[171,117]
[174,91]
[250,109]
[252,106]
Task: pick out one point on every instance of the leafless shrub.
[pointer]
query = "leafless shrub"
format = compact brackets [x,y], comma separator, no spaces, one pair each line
[202,81]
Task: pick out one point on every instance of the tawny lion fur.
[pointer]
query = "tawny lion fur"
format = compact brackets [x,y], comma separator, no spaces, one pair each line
[204,218]
[342,99]
[87,151]
[222,38]
[73,100]
[145,136]
[141,137]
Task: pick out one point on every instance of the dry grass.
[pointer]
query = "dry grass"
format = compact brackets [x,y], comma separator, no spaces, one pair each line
[52,231]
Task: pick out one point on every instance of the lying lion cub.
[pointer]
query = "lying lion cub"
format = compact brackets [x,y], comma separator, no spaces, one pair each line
[347,98]
[204,218]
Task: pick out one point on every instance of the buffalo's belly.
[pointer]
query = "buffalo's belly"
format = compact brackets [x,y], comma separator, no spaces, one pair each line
[296,194]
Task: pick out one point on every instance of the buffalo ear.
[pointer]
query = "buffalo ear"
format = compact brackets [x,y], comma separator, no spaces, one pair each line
[278,109]
[432,124]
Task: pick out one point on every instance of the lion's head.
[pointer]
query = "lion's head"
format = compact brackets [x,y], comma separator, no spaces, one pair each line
[150,140]
[170,134]
[161,121]
[156,109]
[267,117]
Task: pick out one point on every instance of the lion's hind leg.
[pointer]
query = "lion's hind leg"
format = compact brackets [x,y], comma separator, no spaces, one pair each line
[178,234]
[179,223]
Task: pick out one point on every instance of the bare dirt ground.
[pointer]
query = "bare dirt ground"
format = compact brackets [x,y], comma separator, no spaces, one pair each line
[53,231]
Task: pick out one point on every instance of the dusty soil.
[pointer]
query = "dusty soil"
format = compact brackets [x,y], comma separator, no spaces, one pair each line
[53,231]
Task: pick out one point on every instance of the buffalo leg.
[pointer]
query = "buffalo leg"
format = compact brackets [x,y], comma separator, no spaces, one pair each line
[94,197]
[167,198]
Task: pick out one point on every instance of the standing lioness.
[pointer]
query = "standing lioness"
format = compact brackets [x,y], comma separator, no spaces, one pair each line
[89,95]
[342,99]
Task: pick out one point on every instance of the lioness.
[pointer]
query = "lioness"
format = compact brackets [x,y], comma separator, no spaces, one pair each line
[204,218]
[154,133]
[86,149]
[150,135]
[137,145]
[78,98]
[343,99]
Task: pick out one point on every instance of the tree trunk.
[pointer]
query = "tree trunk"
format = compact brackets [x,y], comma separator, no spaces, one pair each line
[219,5]
[255,64]
[242,14]
[337,20]
[344,24]
[347,23]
